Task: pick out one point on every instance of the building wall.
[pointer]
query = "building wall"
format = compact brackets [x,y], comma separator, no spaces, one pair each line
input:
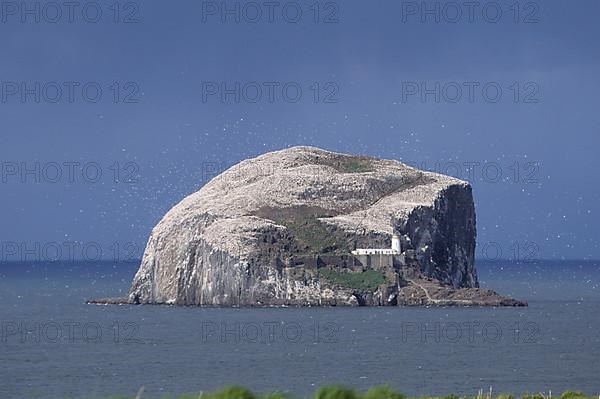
[375,251]
[353,262]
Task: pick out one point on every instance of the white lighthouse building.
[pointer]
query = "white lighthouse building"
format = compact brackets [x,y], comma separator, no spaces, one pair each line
[394,250]
[396,244]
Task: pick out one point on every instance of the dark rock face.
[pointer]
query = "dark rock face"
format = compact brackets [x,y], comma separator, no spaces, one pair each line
[444,235]
[278,230]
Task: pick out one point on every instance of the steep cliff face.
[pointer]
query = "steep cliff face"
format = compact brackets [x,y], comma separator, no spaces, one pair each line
[443,237]
[278,230]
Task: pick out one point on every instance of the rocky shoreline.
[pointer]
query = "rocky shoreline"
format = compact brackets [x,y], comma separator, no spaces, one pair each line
[500,302]
[421,292]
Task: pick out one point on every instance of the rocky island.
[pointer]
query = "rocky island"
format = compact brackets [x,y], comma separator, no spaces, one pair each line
[309,227]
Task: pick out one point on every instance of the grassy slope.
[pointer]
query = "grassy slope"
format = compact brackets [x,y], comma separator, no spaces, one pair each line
[309,233]
[366,281]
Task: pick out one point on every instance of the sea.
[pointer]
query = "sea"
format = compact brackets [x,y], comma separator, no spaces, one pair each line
[54,345]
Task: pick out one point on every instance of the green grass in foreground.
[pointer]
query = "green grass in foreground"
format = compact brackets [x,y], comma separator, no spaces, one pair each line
[339,392]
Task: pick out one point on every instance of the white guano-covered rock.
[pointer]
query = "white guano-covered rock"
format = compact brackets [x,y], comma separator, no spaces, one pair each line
[237,241]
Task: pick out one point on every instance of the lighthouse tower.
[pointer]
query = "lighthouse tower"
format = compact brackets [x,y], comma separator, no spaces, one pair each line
[396,244]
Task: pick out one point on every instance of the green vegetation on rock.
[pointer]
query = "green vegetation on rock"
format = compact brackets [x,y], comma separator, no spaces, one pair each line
[363,281]
[354,165]
[311,235]
[346,163]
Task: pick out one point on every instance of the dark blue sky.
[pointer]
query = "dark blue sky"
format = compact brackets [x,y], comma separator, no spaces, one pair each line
[541,133]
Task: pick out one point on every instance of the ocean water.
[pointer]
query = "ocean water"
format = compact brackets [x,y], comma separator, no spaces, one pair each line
[53,345]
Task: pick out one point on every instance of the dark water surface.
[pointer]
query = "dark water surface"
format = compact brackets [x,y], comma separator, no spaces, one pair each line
[52,345]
